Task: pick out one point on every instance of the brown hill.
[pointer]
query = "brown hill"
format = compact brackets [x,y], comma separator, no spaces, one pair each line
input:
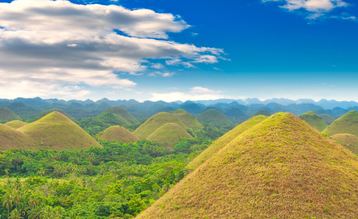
[13,139]
[169,134]
[118,134]
[16,124]
[348,140]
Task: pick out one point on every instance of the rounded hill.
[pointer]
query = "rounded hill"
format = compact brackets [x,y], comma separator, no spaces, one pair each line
[16,124]
[280,168]
[118,134]
[348,140]
[314,120]
[214,118]
[13,139]
[348,123]
[169,134]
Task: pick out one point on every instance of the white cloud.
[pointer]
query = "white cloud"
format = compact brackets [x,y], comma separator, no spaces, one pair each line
[195,93]
[59,44]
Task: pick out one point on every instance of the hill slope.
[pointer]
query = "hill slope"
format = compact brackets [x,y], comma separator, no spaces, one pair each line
[314,120]
[16,124]
[57,131]
[11,138]
[280,168]
[224,140]
[348,140]
[169,134]
[7,115]
[348,123]
[118,134]
[214,118]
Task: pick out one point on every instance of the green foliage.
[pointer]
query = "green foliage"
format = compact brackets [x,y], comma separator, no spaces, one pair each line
[314,120]
[348,123]
[215,118]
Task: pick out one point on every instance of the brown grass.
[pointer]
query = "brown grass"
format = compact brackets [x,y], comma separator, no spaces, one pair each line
[118,134]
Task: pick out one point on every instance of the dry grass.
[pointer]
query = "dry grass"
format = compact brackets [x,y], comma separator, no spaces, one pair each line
[224,140]
[16,124]
[169,134]
[348,123]
[281,168]
[348,140]
[11,138]
[314,120]
[118,134]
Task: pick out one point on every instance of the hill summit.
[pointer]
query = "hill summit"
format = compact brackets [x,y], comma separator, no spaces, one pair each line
[57,131]
[314,120]
[348,123]
[280,168]
[119,134]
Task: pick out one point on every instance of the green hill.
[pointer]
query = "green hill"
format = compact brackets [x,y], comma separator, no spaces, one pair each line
[57,131]
[11,138]
[110,117]
[118,134]
[7,115]
[179,117]
[348,140]
[16,124]
[314,120]
[224,140]
[169,134]
[214,118]
[348,123]
[281,168]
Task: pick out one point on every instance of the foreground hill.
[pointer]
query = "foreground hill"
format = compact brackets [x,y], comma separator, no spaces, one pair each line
[224,140]
[11,138]
[16,124]
[214,118]
[280,168]
[348,140]
[314,120]
[57,131]
[169,134]
[348,123]
[7,115]
[118,134]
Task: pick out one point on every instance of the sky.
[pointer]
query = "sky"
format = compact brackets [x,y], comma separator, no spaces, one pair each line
[179,49]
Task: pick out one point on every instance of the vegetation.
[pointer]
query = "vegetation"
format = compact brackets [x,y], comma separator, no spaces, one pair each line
[112,116]
[215,118]
[280,168]
[348,123]
[348,140]
[11,138]
[57,131]
[7,115]
[118,134]
[314,120]
[15,124]
[224,140]
[169,134]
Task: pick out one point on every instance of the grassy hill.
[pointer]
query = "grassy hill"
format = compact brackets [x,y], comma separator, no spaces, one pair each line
[224,140]
[179,117]
[110,117]
[214,118]
[7,115]
[11,138]
[281,168]
[118,134]
[348,140]
[169,134]
[57,131]
[314,120]
[16,124]
[348,123]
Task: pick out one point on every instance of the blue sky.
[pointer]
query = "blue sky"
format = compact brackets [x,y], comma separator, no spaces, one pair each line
[241,49]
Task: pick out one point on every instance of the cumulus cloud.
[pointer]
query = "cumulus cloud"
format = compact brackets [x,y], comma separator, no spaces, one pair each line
[195,93]
[59,47]
[314,8]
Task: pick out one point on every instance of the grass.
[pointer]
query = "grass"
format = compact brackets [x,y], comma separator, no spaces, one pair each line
[169,134]
[7,115]
[215,118]
[280,168]
[348,140]
[224,140]
[16,124]
[118,134]
[314,120]
[348,123]
[11,138]
[56,131]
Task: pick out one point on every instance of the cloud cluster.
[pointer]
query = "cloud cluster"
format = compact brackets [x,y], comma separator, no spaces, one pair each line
[58,48]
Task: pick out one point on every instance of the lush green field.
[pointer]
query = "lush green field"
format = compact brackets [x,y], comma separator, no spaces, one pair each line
[118,180]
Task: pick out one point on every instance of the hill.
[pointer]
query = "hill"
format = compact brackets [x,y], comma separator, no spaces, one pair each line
[348,140]
[348,123]
[280,168]
[118,134]
[169,134]
[224,140]
[179,117]
[57,131]
[16,124]
[11,138]
[110,117]
[7,115]
[314,120]
[214,118]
